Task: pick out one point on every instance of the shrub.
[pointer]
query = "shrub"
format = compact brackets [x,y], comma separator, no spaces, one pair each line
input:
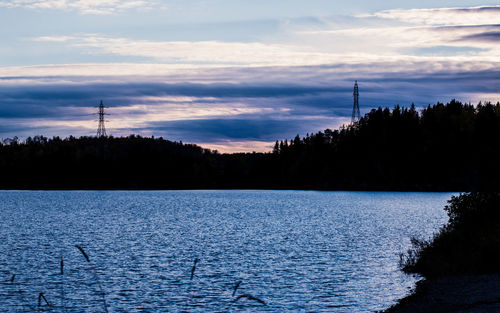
[468,244]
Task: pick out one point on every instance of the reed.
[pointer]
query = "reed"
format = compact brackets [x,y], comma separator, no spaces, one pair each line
[15,282]
[193,269]
[236,287]
[63,300]
[40,297]
[94,272]
[249,297]
[83,252]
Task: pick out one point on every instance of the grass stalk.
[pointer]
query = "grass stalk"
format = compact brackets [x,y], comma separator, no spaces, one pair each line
[96,277]
[63,300]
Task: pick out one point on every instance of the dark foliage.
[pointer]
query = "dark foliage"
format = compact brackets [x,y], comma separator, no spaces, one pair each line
[444,147]
[468,244]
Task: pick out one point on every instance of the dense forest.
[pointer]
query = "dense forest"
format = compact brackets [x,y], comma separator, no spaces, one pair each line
[450,146]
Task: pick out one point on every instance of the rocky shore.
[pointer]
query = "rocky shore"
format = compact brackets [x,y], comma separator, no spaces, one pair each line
[458,294]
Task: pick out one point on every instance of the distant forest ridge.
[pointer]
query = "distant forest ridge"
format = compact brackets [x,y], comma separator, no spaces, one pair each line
[445,147]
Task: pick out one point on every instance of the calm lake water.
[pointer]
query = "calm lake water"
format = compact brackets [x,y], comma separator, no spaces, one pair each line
[295,250]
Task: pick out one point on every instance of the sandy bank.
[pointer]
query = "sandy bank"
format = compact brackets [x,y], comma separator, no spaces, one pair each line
[474,293]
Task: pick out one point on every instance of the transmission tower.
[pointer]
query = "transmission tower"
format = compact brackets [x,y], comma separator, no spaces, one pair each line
[101,129]
[355,109]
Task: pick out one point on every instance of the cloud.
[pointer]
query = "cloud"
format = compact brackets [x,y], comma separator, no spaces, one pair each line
[96,7]
[135,105]
[285,91]
[259,128]
[418,35]
[325,43]
[488,37]
[443,16]
[260,105]
[123,93]
[224,93]
[404,42]
[198,52]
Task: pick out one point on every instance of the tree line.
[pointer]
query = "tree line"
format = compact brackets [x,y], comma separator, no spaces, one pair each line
[451,146]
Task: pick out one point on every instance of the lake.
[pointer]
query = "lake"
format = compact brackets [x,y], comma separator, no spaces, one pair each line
[300,251]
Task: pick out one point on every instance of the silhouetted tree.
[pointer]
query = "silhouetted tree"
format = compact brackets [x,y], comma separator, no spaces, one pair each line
[450,146]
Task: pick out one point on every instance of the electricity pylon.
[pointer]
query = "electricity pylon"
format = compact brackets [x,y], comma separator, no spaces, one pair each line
[101,129]
[355,109]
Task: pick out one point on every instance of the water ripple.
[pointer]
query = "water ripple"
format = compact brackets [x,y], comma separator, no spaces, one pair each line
[295,250]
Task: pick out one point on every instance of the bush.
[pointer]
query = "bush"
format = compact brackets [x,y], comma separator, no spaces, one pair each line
[468,244]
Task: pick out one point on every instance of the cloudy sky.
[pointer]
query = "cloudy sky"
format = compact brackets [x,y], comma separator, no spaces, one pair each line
[235,75]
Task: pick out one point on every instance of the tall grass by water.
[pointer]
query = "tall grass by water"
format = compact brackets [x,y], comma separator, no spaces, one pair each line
[43,303]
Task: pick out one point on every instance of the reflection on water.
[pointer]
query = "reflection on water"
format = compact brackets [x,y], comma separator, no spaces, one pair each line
[294,250]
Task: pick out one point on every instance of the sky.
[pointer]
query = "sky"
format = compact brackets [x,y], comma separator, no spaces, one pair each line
[236,75]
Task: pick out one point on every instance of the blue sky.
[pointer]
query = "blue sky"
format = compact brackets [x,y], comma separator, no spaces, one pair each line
[235,75]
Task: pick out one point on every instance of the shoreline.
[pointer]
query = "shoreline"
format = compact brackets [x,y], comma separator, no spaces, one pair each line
[463,293]
[236,189]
